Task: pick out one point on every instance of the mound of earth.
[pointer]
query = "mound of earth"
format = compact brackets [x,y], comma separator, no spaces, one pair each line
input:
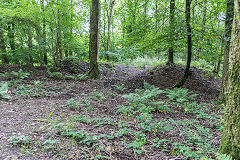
[69,66]
[201,82]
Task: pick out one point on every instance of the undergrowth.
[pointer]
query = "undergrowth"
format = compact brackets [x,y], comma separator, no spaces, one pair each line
[167,121]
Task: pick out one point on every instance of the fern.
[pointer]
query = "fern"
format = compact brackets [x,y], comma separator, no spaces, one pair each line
[143,96]
[4,90]
[223,157]
[180,95]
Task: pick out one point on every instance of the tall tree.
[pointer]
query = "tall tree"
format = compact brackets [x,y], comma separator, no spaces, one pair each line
[189,41]
[94,40]
[3,54]
[58,44]
[45,59]
[172,30]
[109,9]
[227,38]
[29,58]
[230,143]
[11,36]
[203,25]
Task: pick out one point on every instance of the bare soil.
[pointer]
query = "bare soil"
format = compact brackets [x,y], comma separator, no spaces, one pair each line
[35,113]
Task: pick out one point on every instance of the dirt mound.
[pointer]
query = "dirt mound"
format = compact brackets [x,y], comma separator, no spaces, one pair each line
[70,66]
[200,81]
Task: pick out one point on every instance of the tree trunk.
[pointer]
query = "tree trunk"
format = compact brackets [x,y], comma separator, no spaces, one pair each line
[44,34]
[228,30]
[203,26]
[12,40]
[172,30]
[3,54]
[30,45]
[230,142]
[189,40]
[11,36]
[109,16]
[58,48]
[156,23]
[94,40]
[70,52]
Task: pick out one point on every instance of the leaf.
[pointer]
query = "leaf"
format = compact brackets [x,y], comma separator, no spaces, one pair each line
[4,91]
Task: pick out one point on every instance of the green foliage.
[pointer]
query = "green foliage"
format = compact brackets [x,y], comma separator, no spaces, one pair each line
[143,62]
[78,77]
[82,119]
[57,75]
[99,96]
[73,104]
[119,88]
[160,143]
[20,74]
[113,56]
[51,142]
[138,143]
[4,91]
[143,96]
[223,157]
[180,95]
[34,89]
[20,140]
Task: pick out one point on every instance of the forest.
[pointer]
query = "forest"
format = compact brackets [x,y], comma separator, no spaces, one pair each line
[120,79]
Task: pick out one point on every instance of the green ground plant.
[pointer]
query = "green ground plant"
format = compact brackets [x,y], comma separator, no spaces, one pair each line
[20,74]
[34,89]
[17,75]
[144,102]
[20,140]
[99,96]
[119,88]
[180,95]
[4,90]
[74,104]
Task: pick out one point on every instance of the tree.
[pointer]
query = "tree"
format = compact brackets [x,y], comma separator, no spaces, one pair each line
[94,40]
[109,9]
[189,41]
[172,30]
[44,32]
[227,39]
[29,58]
[230,142]
[4,57]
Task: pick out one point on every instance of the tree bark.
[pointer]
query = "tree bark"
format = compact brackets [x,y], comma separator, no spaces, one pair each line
[189,40]
[11,36]
[230,142]
[58,49]
[3,54]
[109,17]
[45,59]
[203,26]
[94,40]
[30,45]
[228,30]
[172,30]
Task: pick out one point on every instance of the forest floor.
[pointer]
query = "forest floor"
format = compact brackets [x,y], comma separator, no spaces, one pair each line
[68,116]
